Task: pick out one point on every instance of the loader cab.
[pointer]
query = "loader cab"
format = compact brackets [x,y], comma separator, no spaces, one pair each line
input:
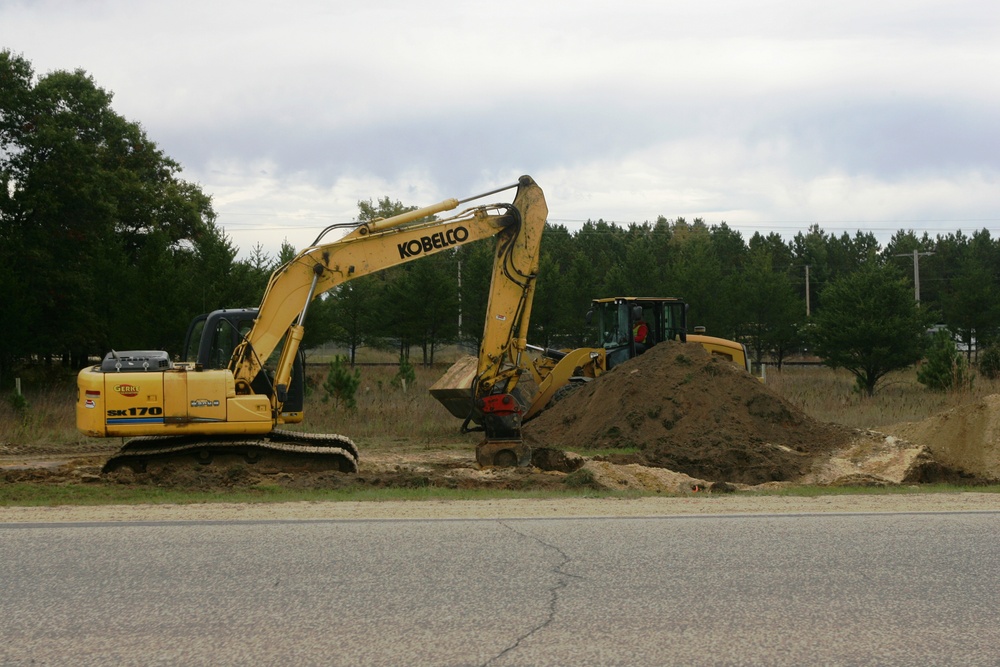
[615,319]
[212,338]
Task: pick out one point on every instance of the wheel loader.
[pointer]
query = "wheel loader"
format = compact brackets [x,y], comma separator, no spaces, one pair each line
[665,318]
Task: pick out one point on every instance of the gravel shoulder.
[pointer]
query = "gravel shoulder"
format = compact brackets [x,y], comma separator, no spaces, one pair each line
[508,508]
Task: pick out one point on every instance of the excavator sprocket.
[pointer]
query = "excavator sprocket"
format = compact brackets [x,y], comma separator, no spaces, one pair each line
[278,450]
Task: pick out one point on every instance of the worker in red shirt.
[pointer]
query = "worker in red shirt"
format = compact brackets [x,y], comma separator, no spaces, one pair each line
[639,332]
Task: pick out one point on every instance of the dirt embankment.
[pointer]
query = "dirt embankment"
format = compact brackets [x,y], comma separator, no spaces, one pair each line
[965,439]
[680,409]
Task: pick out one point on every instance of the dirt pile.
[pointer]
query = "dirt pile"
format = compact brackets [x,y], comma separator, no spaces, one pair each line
[873,458]
[633,477]
[965,438]
[679,408]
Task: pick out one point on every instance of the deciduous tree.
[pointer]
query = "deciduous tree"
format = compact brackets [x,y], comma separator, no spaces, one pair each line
[86,199]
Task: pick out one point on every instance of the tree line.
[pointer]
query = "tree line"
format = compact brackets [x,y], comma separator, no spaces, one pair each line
[104,246]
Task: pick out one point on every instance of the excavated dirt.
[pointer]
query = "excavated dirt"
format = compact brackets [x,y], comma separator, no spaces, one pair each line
[965,439]
[679,408]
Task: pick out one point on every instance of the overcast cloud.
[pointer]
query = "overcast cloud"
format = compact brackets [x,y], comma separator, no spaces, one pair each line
[767,115]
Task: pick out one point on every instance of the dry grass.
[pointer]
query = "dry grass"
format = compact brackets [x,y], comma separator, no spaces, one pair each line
[829,395]
[389,419]
[47,416]
[386,416]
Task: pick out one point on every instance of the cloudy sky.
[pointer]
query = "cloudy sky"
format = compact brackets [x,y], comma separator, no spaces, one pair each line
[769,115]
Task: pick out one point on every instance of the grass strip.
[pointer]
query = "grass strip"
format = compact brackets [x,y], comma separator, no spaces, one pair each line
[42,495]
[47,495]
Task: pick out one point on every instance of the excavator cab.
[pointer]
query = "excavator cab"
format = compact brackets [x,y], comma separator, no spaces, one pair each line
[617,321]
[209,344]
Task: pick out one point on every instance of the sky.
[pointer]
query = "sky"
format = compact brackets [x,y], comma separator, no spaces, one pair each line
[768,115]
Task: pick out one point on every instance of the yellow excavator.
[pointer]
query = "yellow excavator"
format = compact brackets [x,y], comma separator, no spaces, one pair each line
[224,399]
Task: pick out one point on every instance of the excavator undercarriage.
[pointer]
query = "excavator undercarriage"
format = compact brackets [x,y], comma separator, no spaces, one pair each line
[279,449]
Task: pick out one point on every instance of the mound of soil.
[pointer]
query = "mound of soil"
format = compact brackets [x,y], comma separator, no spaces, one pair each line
[680,408]
[965,438]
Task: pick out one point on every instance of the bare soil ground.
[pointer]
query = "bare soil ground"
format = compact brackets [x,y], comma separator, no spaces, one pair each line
[673,421]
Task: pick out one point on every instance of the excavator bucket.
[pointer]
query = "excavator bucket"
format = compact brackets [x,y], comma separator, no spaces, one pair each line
[454,388]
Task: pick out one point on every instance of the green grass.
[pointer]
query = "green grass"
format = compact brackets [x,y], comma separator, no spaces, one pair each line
[42,495]
[592,453]
[816,491]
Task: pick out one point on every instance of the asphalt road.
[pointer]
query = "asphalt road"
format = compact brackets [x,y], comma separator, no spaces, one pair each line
[857,589]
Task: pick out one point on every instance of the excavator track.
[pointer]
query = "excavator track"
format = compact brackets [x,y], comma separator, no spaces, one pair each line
[279,450]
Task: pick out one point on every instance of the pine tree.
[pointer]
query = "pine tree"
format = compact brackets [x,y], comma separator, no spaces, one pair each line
[341,384]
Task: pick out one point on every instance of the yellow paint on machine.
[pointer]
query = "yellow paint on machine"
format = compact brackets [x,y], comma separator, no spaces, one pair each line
[172,402]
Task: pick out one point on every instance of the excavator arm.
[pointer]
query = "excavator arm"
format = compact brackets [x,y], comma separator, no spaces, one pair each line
[505,384]
[383,243]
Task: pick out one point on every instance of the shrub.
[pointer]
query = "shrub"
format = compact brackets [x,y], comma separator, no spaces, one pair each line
[341,383]
[406,376]
[18,402]
[945,367]
[989,362]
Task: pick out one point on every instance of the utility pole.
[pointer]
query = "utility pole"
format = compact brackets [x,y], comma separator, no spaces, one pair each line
[807,290]
[916,271]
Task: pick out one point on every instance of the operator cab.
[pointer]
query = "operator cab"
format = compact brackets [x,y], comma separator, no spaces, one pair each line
[211,340]
[665,318]
[617,319]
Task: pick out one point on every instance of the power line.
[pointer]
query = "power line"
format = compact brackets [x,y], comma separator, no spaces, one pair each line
[954,224]
[793,223]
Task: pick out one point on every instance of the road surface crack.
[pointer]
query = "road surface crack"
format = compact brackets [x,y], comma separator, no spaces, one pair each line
[563,579]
